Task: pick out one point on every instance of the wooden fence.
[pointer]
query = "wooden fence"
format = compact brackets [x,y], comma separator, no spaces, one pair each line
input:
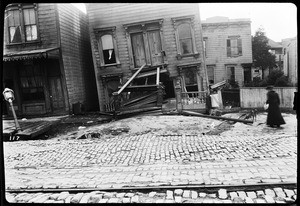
[255,97]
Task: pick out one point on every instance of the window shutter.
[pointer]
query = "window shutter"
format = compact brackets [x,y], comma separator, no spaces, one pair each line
[228,48]
[239,42]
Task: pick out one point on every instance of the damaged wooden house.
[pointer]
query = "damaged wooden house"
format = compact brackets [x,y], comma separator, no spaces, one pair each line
[47,59]
[147,54]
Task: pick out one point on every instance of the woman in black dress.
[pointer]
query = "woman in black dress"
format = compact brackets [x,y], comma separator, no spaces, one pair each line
[274,114]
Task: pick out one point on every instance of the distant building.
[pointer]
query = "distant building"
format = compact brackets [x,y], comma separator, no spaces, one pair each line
[228,49]
[290,59]
[47,59]
[277,50]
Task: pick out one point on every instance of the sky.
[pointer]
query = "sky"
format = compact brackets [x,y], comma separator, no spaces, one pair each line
[279,20]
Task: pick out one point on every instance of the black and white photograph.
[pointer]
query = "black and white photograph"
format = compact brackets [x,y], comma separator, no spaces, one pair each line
[149,103]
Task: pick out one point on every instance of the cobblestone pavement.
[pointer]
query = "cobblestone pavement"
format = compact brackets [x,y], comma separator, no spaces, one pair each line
[150,160]
[268,195]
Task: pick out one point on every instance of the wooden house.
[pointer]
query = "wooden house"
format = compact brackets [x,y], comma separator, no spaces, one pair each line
[47,59]
[228,49]
[144,50]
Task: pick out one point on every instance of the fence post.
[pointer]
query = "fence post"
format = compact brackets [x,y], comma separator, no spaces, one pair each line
[178,97]
[159,95]
[116,104]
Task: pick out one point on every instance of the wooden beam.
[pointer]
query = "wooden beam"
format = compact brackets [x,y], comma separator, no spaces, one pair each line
[157,76]
[139,110]
[146,74]
[218,84]
[149,87]
[184,112]
[138,98]
[129,81]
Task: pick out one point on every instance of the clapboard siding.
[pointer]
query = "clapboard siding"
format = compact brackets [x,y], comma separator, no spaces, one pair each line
[216,48]
[103,15]
[255,97]
[77,57]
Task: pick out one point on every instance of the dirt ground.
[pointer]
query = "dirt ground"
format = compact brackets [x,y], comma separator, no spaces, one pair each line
[95,126]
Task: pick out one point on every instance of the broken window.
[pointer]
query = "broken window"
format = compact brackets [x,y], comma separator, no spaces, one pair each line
[234,47]
[107,46]
[22,31]
[108,49]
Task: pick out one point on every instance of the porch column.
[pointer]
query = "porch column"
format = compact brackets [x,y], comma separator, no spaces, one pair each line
[178,96]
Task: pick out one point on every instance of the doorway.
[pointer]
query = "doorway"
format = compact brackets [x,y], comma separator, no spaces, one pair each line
[57,100]
[56,94]
[169,86]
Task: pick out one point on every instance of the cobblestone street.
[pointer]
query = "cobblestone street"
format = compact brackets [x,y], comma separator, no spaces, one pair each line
[151,160]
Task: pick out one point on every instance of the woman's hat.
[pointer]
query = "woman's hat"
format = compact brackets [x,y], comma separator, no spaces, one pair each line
[270,87]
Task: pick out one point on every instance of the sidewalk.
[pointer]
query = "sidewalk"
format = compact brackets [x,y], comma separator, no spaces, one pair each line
[30,128]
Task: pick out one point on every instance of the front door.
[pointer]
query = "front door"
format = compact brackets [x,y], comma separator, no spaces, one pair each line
[155,47]
[56,94]
[139,55]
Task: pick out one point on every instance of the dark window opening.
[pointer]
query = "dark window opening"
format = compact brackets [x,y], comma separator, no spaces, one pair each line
[247,75]
[109,56]
[231,73]
[32,83]
[108,49]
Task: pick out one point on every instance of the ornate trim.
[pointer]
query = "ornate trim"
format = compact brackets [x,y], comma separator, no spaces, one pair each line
[143,23]
[105,29]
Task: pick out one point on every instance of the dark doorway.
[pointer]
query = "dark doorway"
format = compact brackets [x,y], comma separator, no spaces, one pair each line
[55,87]
[247,74]
[169,87]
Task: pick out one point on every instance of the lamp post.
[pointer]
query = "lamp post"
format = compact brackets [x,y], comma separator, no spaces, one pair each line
[9,96]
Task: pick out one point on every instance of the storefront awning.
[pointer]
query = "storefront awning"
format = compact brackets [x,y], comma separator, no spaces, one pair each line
[29,54]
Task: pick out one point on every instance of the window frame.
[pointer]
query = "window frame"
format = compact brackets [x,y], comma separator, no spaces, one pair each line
[190,20]
[239,46]
[145,27]
[37,77]
[213,72]
[99,32]
[194,67]
[232,74]
[20,8]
